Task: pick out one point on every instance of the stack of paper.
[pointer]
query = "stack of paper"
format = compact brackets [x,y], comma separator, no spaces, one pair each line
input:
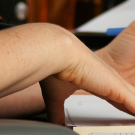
[89,110]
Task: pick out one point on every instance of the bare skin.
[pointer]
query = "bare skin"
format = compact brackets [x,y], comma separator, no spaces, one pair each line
[120,54]
[49,53]
[125,41]
[22,104]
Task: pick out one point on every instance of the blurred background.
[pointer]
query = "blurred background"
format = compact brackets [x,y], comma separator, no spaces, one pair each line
[69,14]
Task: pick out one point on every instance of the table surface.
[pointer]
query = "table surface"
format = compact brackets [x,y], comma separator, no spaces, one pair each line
[120,16]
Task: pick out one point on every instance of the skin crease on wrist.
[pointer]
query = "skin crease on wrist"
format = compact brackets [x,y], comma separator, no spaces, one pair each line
[50,52]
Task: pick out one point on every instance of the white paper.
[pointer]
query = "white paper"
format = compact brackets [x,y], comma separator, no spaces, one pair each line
[88,110]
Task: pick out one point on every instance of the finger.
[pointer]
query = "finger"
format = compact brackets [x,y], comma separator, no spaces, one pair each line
[128,85]
[100,96]
[115,104]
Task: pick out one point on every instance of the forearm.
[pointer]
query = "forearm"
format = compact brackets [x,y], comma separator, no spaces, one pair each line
[30,53]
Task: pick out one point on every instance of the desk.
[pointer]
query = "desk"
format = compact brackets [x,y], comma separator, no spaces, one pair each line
[119,16]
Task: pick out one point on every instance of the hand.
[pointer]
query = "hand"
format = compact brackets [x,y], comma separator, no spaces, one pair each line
[91,74]
[120,54]
[38,51]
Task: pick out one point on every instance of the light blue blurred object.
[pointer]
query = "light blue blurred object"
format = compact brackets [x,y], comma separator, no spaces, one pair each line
[114,31]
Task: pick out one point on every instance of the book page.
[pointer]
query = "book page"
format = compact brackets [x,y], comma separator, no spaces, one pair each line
[112,133]
[107,129]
